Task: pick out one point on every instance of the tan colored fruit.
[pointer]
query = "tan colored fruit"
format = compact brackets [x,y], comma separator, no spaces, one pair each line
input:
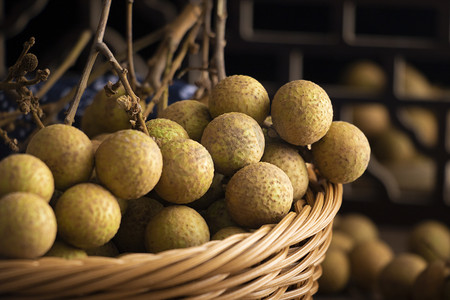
[165,130]
[393,145]
[130,236]
[187,172]
[288,159]
[365,75]
[64,250]
[343,154]
[397,278]
[128,163]
[104,114]
[359,227]
[429,285]
[413,83]
[226,232]
[371,118]
[27,225]
[342,241]
[239,93]
[67,151]
[215,192]
[107,250]
[174,227]
[234,140]
[88,215]
[367,260]
[423,122]
[431,240]
[26,173]
[335,272]
[301,112]
[217,216]
[191,114]
[258,194]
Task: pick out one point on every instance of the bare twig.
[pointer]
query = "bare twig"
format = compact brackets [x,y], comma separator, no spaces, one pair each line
[122,73]
[99,34]
[174,32]
[18,65]
[190,40]
[132,73]
[12,143]
[220,38]
[204,83]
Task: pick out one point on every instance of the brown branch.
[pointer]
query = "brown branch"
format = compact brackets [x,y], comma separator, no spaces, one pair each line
[221,16]
[68,62]
[174,33]
[132,73]
[99,34]
[122,73]
[18,65]
[12,143]
[204,83]
[190,40]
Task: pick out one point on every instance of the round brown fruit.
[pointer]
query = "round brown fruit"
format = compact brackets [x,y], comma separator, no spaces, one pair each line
[258,194]
[128,163]
[301,112]
[240,93]
[67,151]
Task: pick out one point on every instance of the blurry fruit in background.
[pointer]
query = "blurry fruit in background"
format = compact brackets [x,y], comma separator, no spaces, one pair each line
[365,75]
[393,145]
[429,285]
[414,84]
[423,123]
[358,226]
[367,260]
[341,241]
[335,272]
[371,118]
[431,240]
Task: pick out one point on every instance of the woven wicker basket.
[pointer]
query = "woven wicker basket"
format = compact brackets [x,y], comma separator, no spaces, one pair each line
[280,261]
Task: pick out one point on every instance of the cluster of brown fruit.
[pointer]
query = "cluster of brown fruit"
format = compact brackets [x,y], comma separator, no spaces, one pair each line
[204,171]
[359,258]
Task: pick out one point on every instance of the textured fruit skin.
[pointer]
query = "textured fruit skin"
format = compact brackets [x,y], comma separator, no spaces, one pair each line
[26,173]
[217,216]
[165,130]
[176,226]
[27,226]
[64,250]
[367,260]
[130,236]
[226,232]
[128,163]
[335,272]
[104,114]
[431,240]
[234,140]
[359,227]
[287,158]
[301,112]
[240,93]
[343,154]
[258,194]
[187,173]
[88,215]
[191,114]
[67,151]
[397,278]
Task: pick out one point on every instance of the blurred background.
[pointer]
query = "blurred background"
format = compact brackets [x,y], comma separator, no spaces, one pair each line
[385,65]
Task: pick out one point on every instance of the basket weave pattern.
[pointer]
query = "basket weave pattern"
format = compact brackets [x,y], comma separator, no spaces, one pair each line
[278,261]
